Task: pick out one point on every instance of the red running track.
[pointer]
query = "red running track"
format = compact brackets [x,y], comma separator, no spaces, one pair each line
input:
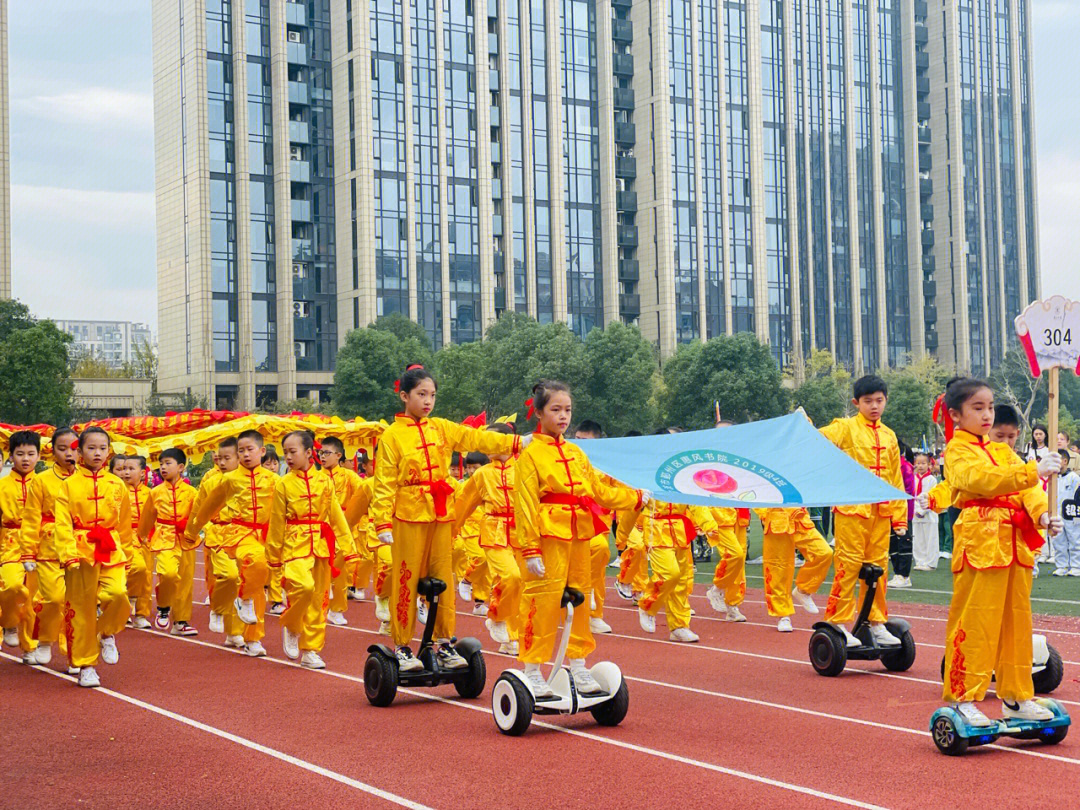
[740,718]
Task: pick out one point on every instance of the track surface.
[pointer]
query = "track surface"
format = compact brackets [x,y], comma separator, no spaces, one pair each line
[739,719]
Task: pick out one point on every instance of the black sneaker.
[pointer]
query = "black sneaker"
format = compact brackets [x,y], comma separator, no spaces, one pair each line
[406,661]
[449,659]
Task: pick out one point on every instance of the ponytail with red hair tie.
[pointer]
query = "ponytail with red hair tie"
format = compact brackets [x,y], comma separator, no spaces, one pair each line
[529,405]
[397,383]
[941,417]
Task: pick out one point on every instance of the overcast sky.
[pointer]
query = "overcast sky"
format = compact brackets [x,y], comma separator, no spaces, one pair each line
[82,163]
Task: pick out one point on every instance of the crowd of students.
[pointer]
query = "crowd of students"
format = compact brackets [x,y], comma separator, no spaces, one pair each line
[88,547]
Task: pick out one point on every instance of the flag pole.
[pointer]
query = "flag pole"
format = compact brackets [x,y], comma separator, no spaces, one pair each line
[1052,401]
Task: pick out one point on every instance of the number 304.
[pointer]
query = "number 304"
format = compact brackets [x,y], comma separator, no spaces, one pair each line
[1056,337]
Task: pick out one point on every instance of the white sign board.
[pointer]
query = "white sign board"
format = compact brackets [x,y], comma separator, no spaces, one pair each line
[1049,331]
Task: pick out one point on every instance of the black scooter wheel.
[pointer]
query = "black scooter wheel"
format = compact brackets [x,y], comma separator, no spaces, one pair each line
[901,659]
[946,739]
[1050,677]
[380,680]
[1060,733]
[471,686]
[612,711]
[828,654]
[512,705]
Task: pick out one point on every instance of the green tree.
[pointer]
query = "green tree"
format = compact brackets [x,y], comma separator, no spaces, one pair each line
[88,367]
[909,408]
[1012,383]
[528,353]
[14,315]
[826,392]
[161,404]
[34,368]
[463,373]
[736,371]
[620,366]
[369,363]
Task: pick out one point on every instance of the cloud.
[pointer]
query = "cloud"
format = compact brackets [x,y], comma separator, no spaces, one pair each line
[99,107]
[1059,211]
[67,207]
[1055,10]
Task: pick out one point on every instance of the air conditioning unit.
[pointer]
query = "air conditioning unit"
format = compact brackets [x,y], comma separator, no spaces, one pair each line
[300,309]
[299,349]
[296,152]
[294,36]
[299,271]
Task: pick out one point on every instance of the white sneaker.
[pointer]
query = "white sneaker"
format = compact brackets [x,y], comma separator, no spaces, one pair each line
[497,631]
[88,677]
[804,600]
[421,610]
[39,657]
[382,609]
[183,629]
[923,568]
[356,594]
[245,610]
[216,623]
[592,601]
[945,555]
[290,643]
[406,661]
[973,714]
[312,660]
[899,582]
[141,623]
[537,683]
[648,623]
[384,628]
[734,614]
[480,609]
[759,560]
[255,649]
[336,618]
[275,609]
[882,636]
[584,681]
[448,657]
[109,653]
[1061,572]
[624,590]
[598,625]
[716,599]
[163,619]
[851,640]
[784,625]
[464,590]
[1074,572]
[684,635]
[11,637]
[73,670]
[1025,710]
[509,649]
[235,641]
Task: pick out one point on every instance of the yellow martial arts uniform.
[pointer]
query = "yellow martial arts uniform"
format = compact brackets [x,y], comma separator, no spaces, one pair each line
[306,525]
[15,594]
[93,525]
[238,508]
[346,487]
[599,556]
[730,543]
[633,559]
[375,560]
[669,531]
[558,498]
[469,560]
[862,532]
[161,528]
[788,530]
[491,488]
[140,565]
[413,499]
[994,543]
[211,541]
[37,540]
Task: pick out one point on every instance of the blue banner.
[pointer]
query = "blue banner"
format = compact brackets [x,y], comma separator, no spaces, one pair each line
[774,462]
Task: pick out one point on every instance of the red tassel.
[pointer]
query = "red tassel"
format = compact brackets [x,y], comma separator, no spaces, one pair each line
[397,386]
[941,417]
[529,413]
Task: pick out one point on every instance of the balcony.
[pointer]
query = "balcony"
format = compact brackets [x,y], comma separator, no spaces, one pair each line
[624,98]
[296,53]
[926,212]
[925,133]
[629,270]
[929,289]
[927,238]
[302,250]
[923,110]
[495,117]
[298,93]
[496,152]
[304,328]
[925,161]
[922,85]
[622,30]
[625,133]
[299,171]
[926,186]
[623,64]
[920,9]
[626,200]
[299,132]
[922,61]
[931,340]
[296,14]
[623,4]
[928,266]
[301,210]
[930,313]
[493,9]
[496,188]
[500,298]
[625,167]
[497,225]
[303,289]
[922,36]
[630,304]
[627,236]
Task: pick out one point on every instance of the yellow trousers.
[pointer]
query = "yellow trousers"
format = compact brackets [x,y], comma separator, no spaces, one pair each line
[49,602]
[634,563]
[599,556]
[275,593]
[167,568]
[505,600]
[15,603]
[140,580]
[383,565]
[339,596]
[989,632]
[778,551]
[89,585]
[858,540]
[730,574]
[185,588]
[420,550]
[307,583]
[670,586]
[566,565]
[225,586]
[209,575]
[241,572]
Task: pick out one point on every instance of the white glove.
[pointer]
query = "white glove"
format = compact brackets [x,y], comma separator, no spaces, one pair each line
[1050,464]
[526,440]
[923,501]
[29,566]
[646,497]
[535,565]
[1053,525]
[386,538]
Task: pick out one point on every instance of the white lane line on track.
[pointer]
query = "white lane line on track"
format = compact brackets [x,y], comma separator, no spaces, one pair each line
[243,741]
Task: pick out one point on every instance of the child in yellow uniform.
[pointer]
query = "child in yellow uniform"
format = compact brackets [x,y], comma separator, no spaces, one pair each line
[161,528]
[470,562]
[221,607]
[140,572]
[363,567]
[239,505]
[18,583]
[491,488]
[995,539]
[358,514]
[413,507]
[599,547]
[669,531]
[558,497]
[306,525]
[787,531]
[38,541]
[93,524]
[346,488]
[728,589]
[633,573]
[862,532]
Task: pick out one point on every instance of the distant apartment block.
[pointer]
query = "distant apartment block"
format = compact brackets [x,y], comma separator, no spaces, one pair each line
[113,342]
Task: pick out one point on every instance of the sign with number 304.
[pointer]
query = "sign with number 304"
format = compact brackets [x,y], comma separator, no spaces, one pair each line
[1049,331]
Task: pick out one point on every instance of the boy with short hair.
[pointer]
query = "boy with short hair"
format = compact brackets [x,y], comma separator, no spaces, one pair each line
[216,570]
[140,569]
[862,532]
[1067,543]
[16,617]
[346,487]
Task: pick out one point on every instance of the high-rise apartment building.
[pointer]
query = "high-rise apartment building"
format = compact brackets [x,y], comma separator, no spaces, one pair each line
[5,160]
[112,342]
[851,175]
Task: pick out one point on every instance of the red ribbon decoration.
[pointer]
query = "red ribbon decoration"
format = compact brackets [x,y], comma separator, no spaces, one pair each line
[581,502]
[1019,519]
[103,540]
[262,528]
[327,532]
[529,413]
[941,417]
[689,528]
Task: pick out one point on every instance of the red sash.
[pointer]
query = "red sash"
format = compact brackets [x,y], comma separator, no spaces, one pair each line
[1019,519]
[327,533]
[102,538]
[581,502]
